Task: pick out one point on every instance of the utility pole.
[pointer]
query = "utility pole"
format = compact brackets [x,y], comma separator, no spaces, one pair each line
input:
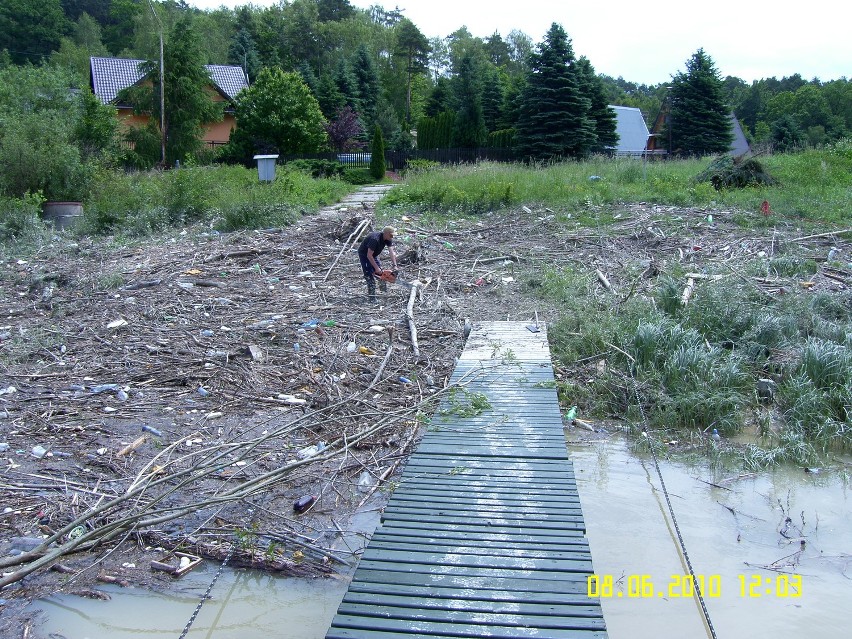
[162,91]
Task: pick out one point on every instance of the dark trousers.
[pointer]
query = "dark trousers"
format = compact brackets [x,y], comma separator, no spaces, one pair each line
[370,275]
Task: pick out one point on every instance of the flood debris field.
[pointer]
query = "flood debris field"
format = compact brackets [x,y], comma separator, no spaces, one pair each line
[236,395]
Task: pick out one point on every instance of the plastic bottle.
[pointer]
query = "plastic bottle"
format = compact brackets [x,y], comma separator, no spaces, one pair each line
[303,503]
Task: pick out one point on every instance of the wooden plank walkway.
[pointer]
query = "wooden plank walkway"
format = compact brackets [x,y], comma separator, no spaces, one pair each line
[484,537]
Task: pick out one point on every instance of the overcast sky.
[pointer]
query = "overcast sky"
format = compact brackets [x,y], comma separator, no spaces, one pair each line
[648,42]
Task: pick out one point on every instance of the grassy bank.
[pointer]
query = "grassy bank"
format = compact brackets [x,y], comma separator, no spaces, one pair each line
[810,186]
[226,198]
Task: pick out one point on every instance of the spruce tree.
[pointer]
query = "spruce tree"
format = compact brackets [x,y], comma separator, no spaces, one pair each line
[377,159]
[367,81]
[187,101]
[699,122]
[606,137]
[553,121]
[469,130]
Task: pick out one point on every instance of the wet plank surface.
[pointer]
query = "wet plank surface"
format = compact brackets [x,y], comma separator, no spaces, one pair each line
[484,536]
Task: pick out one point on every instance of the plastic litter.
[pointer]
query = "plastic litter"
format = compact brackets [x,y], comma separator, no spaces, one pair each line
[351,347]
[571,413]
[103,388]
[203,391]
[152,430]
[303,503]
[364,481]
[311,451]
[207,333]
[404,380]
[39,451]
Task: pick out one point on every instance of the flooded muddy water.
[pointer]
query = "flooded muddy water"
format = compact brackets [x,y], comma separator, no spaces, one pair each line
[633,542]
[732,534]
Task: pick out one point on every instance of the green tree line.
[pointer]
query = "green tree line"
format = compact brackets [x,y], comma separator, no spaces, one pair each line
[374,67]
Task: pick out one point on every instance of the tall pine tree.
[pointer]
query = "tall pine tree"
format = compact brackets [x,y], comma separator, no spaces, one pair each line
[367,81]
[699,122]
[469,130]
[604,118]
[554,117]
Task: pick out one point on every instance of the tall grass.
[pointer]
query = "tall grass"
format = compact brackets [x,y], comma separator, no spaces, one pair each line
[226,197]
[695,368]
[813,185]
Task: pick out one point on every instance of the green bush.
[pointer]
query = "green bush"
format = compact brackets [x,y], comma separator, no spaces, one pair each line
[20,218]
[358,176]
[318,168]
[187,194]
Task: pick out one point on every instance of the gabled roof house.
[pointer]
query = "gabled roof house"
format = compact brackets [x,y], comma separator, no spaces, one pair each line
[109,76]
[631,129]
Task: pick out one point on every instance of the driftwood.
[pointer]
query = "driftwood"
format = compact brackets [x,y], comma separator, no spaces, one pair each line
[356,234]
[687,292]
[409,314]
[603,280]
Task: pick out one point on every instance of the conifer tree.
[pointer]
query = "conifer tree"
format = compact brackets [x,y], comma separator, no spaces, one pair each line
[554,117]
[377,159]
[604,118]
[469,130]
[367,82]
[699,118]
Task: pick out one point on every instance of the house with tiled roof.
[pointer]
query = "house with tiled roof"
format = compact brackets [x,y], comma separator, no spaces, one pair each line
[109,76]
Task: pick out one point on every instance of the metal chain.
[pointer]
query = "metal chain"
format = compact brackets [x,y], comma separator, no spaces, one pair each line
[695,580]
[206,595]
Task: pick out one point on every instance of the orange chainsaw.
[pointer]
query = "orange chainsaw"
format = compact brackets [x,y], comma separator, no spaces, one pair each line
[393,277]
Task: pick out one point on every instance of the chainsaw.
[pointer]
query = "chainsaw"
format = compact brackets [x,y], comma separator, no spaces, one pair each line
[393,278]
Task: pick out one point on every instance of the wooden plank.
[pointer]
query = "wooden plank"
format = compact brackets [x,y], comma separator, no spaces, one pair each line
[518,574]
[413,545]
[479,625]
[356,627]
[521,530]
[482,537]
[468,594]
[570,586]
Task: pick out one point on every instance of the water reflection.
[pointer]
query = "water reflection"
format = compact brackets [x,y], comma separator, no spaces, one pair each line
[730,525]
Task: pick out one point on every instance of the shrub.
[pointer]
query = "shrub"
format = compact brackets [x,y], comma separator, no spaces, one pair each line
[187,194]
[20,219]
[358,176]
[318,168]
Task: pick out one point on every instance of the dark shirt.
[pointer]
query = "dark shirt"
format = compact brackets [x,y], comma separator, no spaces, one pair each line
[375,241]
